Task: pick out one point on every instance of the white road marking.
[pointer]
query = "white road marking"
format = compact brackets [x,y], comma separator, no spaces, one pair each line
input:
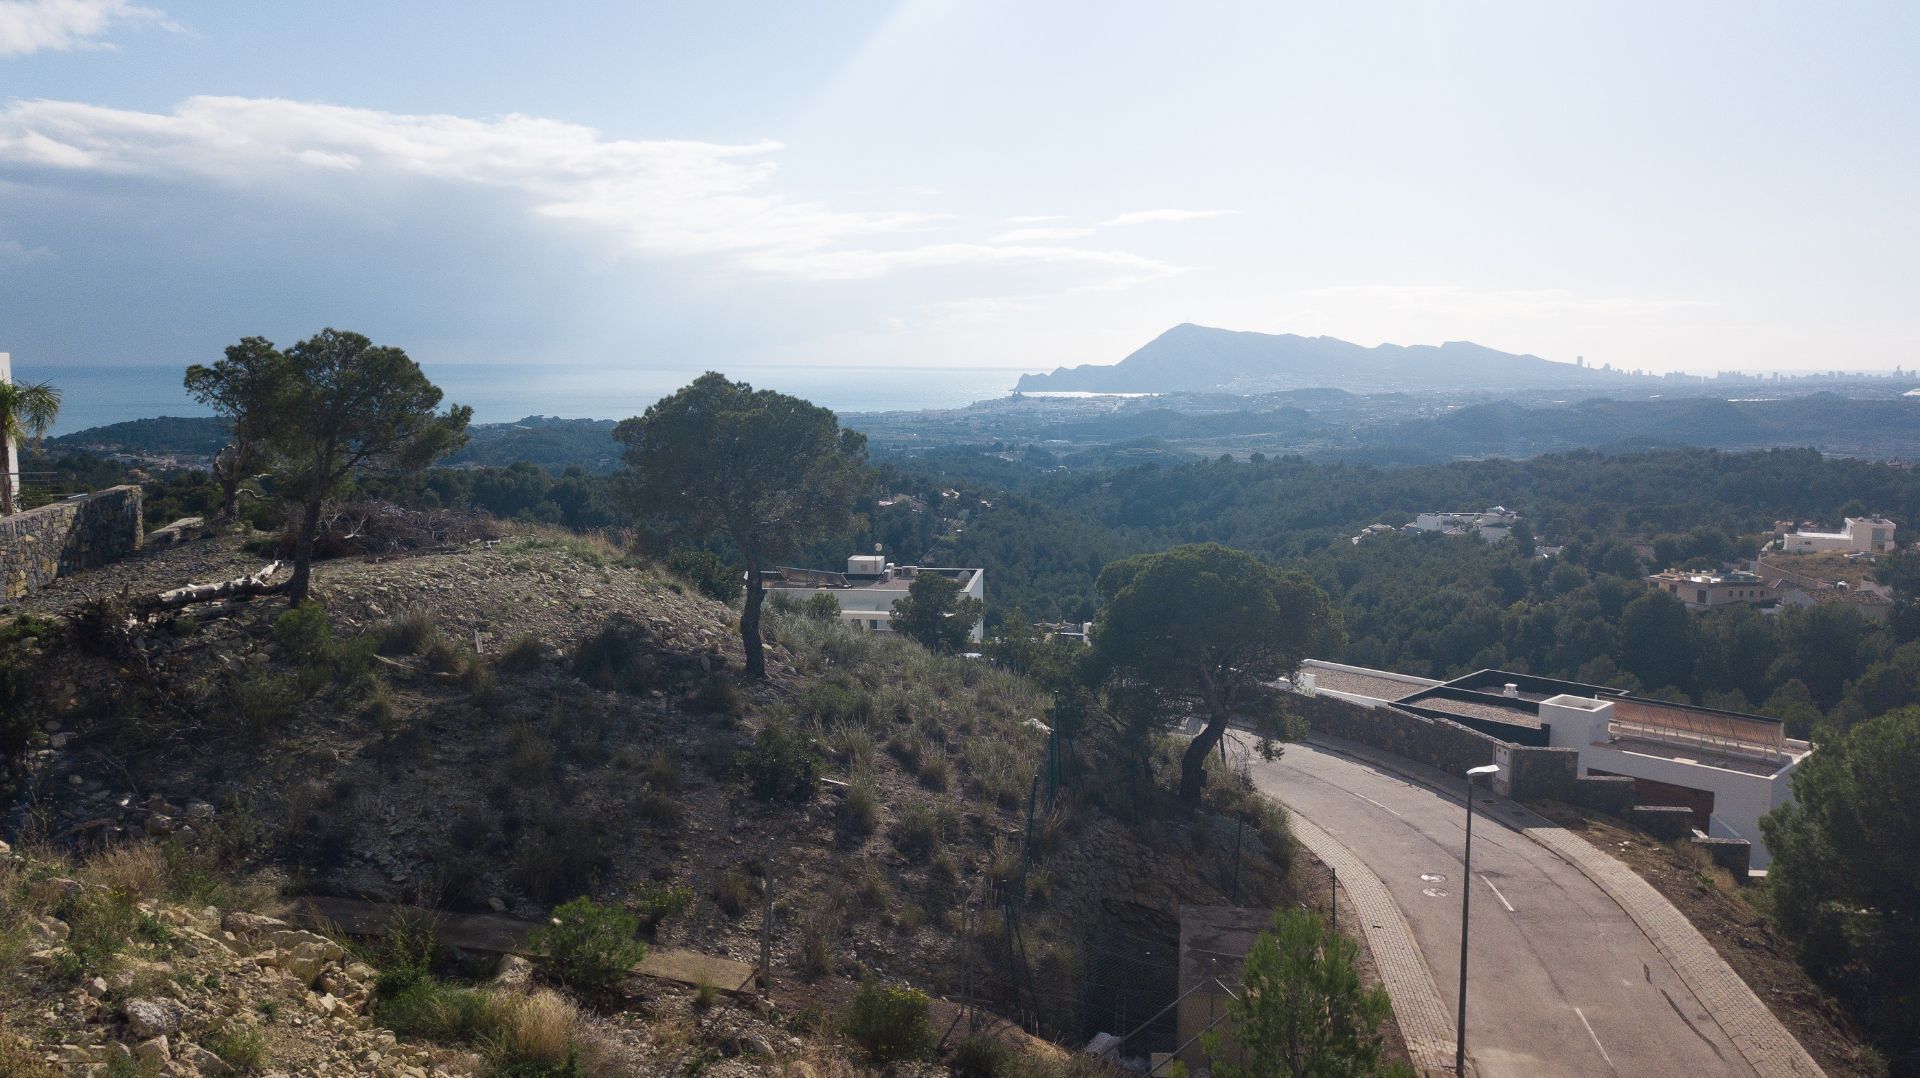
[1496,892]
[1595,1036]
[1372,802]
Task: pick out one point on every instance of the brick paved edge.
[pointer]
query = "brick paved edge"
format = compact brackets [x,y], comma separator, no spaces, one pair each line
[1425,1023]
[1769,1047]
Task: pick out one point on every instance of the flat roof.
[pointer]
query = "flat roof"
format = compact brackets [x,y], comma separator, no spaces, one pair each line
[1466,704]
[820,580]
[1371,686]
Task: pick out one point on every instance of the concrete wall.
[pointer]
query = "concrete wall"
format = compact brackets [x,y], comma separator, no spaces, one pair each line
[1739,798]
[42,544]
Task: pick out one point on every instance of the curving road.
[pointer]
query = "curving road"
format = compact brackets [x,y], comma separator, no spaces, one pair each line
[1562,981]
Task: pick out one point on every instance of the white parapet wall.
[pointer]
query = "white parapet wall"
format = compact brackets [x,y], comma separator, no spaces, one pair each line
[1743,789]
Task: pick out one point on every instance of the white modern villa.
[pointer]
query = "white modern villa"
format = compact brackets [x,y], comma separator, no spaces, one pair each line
[868,589]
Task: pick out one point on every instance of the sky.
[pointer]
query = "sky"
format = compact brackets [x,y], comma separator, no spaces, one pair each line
[958,183]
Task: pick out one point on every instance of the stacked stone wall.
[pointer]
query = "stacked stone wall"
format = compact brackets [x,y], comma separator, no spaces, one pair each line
[41,545]
[1527,772]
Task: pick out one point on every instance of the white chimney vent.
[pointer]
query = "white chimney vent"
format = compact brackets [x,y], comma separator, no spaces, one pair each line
[1511,689]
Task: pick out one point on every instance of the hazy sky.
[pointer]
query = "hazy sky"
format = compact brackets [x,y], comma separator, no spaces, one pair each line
[971,183]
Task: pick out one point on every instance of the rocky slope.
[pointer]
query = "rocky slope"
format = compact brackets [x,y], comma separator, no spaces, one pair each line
[503,728]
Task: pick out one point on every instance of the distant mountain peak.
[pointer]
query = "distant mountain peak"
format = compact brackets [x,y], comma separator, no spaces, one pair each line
[1191,358]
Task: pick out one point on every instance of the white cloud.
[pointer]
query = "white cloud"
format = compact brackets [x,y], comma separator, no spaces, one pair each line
[1142,217]
[1036,218]
[655,197]
[28,26]
[1041,235]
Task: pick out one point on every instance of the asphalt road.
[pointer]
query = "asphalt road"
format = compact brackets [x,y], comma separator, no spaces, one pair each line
[1561,980]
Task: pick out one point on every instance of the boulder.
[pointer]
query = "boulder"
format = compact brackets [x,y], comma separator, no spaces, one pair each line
[515,974]
[153,1053]
[242,923]
[148,1018]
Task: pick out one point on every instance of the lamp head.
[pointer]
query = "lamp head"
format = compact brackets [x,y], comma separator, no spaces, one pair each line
[1483,769]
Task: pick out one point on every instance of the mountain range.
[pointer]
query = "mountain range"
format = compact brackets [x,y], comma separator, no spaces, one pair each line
[1199,359]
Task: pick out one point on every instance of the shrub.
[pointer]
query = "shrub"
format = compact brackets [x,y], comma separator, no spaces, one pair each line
[536,1035]
[380,708]
[782,765]
[524,653]
[306,633]
[588,945]
[821,606]
[732,891]
[408,633]
[707,572]
[980,1056]
[441,655]
[659,808]
[658,903]
[889,1024]
[618,657]
[860,812]
[916,831]
[715,695]
[243,1048]
[816,952]
[661,772]
[935,771]
[261,701]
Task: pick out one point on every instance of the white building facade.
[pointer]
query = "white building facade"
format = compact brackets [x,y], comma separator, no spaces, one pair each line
[868,589]
[1861,535]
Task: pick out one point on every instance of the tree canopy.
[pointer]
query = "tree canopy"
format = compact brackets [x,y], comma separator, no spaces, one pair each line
[770,472]
[937,612]
[1207,629]
[27,412]
[1844,881]
[1304,1012]
[327,407]
[232,387]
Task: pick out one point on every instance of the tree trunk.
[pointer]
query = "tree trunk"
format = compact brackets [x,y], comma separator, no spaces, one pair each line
[750,622]
[1193,765]
[227,470]
[6,478]
[303,553]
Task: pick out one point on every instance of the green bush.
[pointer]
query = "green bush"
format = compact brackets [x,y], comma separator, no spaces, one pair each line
[782,765]
[590,946]
[860,812]
[243,1048]
[658,903]
[821,606]
[980,1056]
[732,891]
[408,633]
[916,831]
[523,654]
[889,1024]
[306,633]
[710,576]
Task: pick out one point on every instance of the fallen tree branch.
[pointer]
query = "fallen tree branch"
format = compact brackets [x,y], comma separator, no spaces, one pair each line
[259,583]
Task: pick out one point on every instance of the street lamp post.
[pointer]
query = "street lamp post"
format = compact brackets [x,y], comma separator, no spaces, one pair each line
[1466,896]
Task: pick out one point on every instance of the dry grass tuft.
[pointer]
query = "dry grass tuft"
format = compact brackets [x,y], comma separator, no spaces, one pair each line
[538,1028]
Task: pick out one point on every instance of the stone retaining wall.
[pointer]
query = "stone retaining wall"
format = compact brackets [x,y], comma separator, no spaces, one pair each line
[39,545]
[1527,773]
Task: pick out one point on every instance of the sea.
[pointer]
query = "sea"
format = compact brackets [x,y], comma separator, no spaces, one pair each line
[94,396]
